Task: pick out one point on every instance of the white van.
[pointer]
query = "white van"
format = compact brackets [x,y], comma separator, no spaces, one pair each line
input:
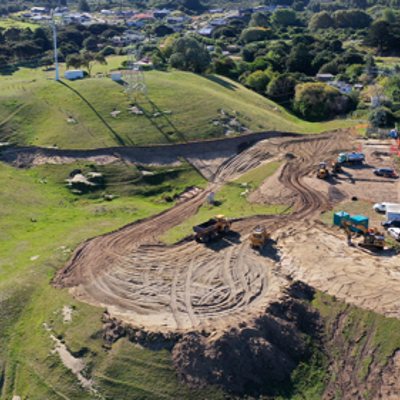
[381,207]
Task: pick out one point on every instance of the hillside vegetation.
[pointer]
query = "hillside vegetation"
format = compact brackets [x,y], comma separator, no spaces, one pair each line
[36,110]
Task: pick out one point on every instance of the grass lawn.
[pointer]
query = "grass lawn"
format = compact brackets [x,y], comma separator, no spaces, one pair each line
[36,110]
[7,23]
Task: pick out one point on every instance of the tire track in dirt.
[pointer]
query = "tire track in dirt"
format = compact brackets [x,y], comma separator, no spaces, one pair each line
[188,284]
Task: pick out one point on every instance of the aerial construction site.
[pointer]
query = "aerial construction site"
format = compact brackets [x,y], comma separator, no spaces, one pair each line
[227,292]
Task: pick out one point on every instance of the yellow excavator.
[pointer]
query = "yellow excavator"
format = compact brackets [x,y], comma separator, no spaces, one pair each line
[322,172]
[372,238]
[259,238]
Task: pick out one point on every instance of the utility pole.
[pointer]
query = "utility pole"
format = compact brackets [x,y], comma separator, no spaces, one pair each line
[55,47]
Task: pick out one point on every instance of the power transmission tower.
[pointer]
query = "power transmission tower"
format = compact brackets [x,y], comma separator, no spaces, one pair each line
[135,82]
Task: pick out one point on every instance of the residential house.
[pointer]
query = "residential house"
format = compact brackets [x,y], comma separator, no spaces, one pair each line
[177,20]
[144,17]
[324,77]
[207,31]
[40,10]
[342,86]
[218,22]
[160,14]
[216,11]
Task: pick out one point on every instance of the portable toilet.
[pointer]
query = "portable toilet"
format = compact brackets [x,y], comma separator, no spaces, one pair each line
[359,220]
[339,216]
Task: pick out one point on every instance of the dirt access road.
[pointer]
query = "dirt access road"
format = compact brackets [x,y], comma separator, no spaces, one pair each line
[190,285]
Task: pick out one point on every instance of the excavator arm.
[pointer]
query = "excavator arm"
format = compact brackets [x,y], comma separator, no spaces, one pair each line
[371,237]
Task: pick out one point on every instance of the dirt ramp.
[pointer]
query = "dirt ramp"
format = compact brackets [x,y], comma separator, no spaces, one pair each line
[254,358]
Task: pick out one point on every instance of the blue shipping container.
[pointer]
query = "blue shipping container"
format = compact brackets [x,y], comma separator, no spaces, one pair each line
[339,216]
[359,220]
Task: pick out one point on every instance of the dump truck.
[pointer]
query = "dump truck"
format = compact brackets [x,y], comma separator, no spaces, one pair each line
[259,238]
[372,237]
[351,158]
[336,167]
[322,172]
[209,230]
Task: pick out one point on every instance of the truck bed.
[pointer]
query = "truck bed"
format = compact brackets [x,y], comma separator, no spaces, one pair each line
[205,226]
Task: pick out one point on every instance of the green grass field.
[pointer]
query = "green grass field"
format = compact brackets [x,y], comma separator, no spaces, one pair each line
[36,110]
[42,222]
[7,23]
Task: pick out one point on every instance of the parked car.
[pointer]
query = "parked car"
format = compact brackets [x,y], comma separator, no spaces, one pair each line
[391,223]
[381,207]
[394,233]
[388,172]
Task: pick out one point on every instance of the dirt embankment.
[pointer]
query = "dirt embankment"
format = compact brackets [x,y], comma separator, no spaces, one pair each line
[206,156]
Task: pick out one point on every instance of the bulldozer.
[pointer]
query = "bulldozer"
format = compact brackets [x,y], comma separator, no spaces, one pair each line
[372,238]
[322,172]
[259,238]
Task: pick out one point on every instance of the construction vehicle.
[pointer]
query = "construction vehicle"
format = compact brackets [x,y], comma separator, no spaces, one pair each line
[351,158]
[209,230]
[372,238]
[259,238]
[336,167]
[322,172]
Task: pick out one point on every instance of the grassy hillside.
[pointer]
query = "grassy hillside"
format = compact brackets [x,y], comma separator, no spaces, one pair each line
[42,222]
[36,110]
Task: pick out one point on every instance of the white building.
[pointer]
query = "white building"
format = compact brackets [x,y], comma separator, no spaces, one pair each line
[74,74]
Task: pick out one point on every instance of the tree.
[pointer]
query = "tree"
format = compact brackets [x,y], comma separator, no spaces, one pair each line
[257,81]
[187,54]
[83,6]
[382,117]
[40,37]
[281,88]
[90,43]
[163,30]
[74,61]
[255,34]
[46,61]
[26,49]
[224,66]
[12,34]
[356,19]
[300,60]
[89,59]
[389,16]
[380,36]
[317,101]
[284,17]
[108,51]
[259,20]
[322,20]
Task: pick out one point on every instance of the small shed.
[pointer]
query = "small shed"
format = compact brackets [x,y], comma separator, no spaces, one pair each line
[211,198]
[74,74]
[339,217]
[359,220]
[116,77]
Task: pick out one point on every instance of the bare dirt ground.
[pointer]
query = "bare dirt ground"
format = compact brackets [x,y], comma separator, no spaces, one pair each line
[190,285]
[223,298]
